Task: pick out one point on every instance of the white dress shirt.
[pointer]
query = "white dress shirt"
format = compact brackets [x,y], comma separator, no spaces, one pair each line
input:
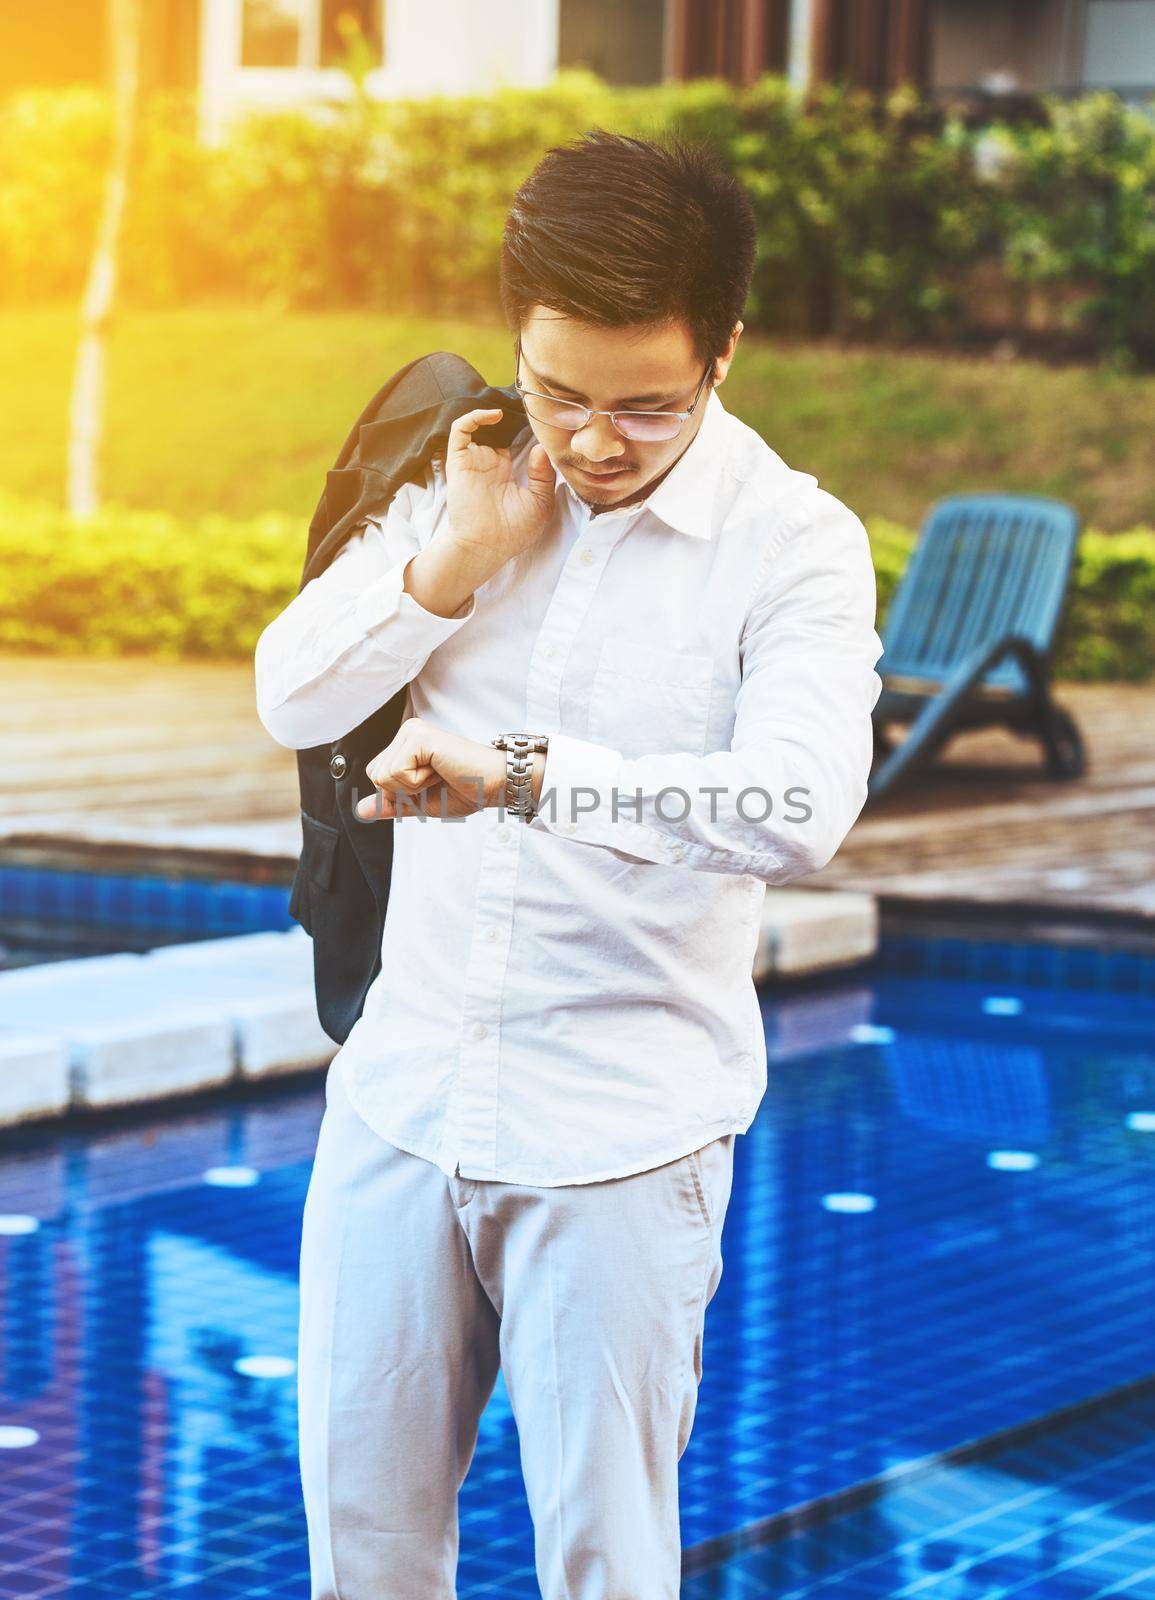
[570,999]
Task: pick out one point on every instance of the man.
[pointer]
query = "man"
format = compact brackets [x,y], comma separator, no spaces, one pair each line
[526,1153]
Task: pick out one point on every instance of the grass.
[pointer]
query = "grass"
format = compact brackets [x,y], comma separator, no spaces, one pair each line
[240,410]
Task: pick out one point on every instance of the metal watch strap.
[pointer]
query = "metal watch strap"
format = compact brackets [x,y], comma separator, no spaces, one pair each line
[519,752]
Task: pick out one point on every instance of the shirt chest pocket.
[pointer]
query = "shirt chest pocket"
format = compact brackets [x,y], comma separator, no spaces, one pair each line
[645,699]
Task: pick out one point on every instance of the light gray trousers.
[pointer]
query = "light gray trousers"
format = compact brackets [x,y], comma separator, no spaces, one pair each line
[416,1287]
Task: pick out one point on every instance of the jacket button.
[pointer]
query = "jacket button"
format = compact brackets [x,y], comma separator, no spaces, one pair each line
[338,766]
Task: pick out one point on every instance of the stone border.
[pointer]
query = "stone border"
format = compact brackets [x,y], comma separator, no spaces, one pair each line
[125,1029]
[118,1030]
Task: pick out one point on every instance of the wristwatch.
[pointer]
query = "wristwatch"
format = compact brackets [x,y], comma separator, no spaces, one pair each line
[519,749]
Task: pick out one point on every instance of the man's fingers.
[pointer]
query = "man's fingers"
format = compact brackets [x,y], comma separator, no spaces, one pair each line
[419,772]
[411,779]
[436,801]
[388,799]
[405,763]
[373,807]
[461,433]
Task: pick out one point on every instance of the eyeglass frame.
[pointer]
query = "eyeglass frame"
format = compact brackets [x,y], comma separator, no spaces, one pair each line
[536,394]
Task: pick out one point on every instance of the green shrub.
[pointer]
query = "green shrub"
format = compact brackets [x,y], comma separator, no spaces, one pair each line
[141,582]
[1076,205]
[1108,629]
[53,146]
[870,210]
[144,582]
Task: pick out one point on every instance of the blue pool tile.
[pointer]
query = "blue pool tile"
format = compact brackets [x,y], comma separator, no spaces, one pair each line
[1082,966]
[1067,1514]
[125,911]
[993,1267]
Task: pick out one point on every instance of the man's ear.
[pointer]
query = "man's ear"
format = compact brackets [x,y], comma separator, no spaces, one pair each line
[722,365]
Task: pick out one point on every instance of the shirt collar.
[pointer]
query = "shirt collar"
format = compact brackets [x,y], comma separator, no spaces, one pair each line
[684,500]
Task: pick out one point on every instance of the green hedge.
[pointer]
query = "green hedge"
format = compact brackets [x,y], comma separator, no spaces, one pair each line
[870,213]
[141,582]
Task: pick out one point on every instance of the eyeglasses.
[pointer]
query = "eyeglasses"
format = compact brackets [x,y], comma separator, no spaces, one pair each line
[645,427]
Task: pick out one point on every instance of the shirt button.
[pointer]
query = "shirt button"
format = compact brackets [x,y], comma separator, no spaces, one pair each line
[491,933]
[677,852]
[479,1030]
[502,831]
[586,557]
[569,827]
[549,651]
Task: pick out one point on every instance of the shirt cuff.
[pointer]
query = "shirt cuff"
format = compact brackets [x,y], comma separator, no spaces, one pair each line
[590,793]
[413,632]
[580,800]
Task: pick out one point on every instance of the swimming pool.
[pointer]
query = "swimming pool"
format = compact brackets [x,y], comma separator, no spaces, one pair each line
[50,911]
[929,1369]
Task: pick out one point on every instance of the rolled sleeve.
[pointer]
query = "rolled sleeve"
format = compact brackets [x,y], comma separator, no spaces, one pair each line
[778,803]
[413,633]
[354,635]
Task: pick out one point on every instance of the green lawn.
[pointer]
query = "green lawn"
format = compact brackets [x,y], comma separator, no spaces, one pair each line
[239,410]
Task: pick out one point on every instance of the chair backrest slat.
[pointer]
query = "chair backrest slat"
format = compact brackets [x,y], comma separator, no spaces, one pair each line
[984,566]
[982,561]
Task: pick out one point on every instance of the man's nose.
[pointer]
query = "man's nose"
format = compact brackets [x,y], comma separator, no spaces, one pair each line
[599,440]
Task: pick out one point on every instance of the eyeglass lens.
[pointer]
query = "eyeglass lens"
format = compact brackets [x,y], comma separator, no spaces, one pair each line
[643,426]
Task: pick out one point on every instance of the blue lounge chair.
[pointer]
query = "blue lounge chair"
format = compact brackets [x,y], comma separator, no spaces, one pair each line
[971,628]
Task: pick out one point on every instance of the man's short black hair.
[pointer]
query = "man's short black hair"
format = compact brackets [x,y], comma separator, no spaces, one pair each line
[615,230]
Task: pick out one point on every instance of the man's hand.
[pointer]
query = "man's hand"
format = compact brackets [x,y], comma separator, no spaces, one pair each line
[453,776]
[491,517]
[490,514]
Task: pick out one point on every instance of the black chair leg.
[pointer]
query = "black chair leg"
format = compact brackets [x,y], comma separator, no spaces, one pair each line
[1063,743]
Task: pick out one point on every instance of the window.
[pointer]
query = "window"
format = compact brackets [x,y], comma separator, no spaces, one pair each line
[1120,44]
[271,33]
[621,40]
[308,33]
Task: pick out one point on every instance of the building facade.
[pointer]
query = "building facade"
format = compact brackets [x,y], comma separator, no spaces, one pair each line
[268,53]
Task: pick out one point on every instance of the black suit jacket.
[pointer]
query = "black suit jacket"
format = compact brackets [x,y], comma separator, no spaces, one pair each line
[341,887]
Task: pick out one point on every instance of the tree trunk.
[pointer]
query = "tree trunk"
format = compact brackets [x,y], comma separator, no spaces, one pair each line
[86,413]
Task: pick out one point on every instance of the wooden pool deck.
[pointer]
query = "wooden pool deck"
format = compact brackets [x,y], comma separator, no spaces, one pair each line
[105,760]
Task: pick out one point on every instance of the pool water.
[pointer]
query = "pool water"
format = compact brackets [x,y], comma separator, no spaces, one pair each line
[55,913]
[929,1368]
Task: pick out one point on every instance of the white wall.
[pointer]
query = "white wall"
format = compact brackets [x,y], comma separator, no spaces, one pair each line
[431,47]
[461,46]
